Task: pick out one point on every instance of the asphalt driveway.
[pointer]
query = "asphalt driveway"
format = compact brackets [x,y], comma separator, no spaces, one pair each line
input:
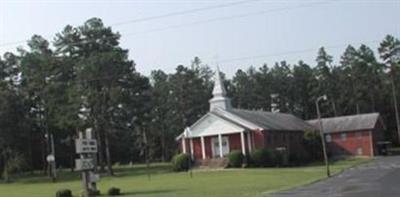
[380,177]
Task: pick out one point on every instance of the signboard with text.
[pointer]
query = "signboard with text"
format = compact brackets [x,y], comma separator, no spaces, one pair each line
[84,164]
[85,146]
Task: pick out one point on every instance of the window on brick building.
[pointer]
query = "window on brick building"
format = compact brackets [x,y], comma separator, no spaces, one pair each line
[359,151]
[343,136]
[328,138]
[358,134]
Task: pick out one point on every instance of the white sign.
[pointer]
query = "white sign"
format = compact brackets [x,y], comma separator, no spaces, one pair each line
[84,164]
[50,158]
[86,146]
[94,177]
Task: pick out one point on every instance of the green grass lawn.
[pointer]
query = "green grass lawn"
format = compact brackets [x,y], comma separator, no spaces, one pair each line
[134,181]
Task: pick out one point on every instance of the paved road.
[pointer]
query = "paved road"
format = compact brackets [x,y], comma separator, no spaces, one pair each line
[380,178]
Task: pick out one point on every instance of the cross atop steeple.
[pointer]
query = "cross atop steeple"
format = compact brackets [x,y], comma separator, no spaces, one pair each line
[219,99]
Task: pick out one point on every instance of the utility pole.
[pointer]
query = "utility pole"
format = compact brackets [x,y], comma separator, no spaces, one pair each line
[322,134]
[53,164]
[395,58]
[51,160]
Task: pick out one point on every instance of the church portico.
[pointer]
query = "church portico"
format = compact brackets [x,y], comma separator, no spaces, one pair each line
[217,146]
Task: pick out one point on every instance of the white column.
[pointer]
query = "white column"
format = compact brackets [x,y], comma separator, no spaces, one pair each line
[203,149]
[249,140]
[191,148]
[183,145]
[220,145]
[242,142]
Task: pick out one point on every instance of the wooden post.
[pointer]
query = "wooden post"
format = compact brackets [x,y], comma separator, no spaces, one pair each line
[84,173]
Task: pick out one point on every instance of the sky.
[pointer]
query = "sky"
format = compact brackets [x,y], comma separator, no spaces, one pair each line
[235,34]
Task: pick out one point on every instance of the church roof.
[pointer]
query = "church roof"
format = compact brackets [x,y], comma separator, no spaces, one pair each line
[266,120]
[221,121]
[347,123]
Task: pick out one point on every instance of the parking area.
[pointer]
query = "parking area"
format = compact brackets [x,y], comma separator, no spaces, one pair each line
[380,177]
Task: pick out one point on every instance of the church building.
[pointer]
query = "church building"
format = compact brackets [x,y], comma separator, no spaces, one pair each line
[224,129]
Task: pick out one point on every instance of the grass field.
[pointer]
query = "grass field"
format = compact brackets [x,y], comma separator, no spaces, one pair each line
[134,181]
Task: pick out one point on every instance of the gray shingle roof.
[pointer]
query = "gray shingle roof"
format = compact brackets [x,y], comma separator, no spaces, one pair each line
[272,121]
[347,123]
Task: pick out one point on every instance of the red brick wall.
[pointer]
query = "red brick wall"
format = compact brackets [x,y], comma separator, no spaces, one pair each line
[258,137]
[197,148]
[354,140]
[207,144]
[235,142]
[292,140]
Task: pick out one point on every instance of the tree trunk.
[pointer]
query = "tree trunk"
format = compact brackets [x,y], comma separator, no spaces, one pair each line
[30,153]
[5,168]
[100,151]
[334,108]
[72,156]
[108,156]
[44,162]
[163,144]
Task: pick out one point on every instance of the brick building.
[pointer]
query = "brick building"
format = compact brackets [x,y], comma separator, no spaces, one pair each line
[224,129]
[355,135]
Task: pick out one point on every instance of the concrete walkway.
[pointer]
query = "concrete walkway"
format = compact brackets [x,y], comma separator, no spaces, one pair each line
[380,177]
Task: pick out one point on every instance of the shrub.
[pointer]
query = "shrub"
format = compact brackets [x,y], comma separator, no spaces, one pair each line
[114,191]
[299,158]
[235,159]
[91,193]
[262,157]
[64,193]
[94,192]
[180,162]
[294,159]
[280,158]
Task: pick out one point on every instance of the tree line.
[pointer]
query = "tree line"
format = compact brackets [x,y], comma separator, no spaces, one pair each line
[83,79]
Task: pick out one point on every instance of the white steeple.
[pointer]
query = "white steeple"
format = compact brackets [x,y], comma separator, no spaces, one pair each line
[219,99]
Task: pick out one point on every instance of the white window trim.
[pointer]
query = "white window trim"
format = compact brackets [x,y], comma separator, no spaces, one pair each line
[343,138]
[328,138]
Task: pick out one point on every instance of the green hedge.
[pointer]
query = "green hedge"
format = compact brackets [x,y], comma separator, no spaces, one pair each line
[262,157]
[64,193]
[235,159]
[114,191]
[180,162]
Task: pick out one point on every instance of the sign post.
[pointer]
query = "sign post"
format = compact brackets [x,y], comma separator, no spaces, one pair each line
[86,147]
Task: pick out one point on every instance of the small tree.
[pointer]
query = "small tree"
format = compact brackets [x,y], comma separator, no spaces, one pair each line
[13,162]
[312,143]
[235,159]
[180,162]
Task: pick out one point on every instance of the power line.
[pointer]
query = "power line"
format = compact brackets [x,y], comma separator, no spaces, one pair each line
[150,18]
[230,60]
[231,17]
[202,21]
[185,12]
[290,52]
[253,57]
